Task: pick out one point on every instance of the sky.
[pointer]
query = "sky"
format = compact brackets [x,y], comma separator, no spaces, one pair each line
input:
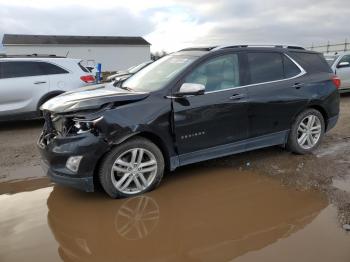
[170,25]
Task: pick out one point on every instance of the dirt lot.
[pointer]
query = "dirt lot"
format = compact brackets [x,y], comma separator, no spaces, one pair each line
[265,205]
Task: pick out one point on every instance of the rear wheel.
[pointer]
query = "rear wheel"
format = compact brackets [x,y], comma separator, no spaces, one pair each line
[132,168]
[307,132]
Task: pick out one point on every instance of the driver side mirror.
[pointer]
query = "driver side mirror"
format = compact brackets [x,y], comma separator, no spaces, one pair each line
[188,89]
[343,64]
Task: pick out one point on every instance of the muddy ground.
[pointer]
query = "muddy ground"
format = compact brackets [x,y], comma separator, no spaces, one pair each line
[252,206]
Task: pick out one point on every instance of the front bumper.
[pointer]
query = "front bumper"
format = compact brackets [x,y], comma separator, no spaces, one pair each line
[56,153]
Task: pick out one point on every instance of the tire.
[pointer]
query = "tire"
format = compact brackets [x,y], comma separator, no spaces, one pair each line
[120,158]
[300,127]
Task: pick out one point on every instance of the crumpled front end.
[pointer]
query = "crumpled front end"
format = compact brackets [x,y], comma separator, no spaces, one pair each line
[70,148]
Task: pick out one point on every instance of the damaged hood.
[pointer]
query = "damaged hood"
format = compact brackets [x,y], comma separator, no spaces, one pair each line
[91,97]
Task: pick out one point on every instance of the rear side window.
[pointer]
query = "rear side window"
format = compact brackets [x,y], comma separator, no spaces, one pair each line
[290,68]
[265,67]
[83,68]
[20,69]
[51,69]
[311,62]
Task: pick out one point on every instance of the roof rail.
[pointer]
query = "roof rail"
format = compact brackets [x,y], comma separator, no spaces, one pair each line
[242,46]
[205,48]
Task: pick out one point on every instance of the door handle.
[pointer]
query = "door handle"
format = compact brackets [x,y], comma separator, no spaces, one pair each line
[298,85]
[39,82]
[237,96]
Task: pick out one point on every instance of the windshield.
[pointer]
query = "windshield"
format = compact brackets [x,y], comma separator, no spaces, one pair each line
[158,74]
[137,68]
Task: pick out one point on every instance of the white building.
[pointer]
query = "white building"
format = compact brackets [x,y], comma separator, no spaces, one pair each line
[113,52]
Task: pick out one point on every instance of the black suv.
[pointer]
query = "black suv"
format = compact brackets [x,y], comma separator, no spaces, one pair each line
[190,106]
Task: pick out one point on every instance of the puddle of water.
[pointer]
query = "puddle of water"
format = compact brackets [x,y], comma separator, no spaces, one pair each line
[342,183]
[23,179]
[16,186]
[196,215]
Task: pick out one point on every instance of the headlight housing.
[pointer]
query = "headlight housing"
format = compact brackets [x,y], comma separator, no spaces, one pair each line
[83,125]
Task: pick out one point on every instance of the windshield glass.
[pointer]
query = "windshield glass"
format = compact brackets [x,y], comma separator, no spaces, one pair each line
[137,68]
[158,74]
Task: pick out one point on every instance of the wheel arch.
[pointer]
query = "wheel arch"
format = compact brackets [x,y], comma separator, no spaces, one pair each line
[144,134]
[157,141]
[317,107]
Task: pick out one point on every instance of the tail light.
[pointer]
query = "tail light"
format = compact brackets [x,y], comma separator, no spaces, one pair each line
[88,79]
[336,81]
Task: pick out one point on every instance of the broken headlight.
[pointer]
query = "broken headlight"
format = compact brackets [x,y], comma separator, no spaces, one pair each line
[83,125]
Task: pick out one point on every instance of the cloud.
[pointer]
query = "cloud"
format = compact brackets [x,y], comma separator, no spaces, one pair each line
[171,25]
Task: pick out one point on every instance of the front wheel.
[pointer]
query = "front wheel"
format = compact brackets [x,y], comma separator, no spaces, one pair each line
[307,132]
[132,168]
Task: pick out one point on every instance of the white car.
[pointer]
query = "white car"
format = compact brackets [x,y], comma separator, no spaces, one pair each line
[341,67]
[26,82]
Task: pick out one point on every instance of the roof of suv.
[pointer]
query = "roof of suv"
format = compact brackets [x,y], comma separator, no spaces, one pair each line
[36,58]
[199,51]
[213,48]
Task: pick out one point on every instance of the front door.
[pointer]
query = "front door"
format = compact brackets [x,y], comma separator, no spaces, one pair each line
[21,84]
[207,123]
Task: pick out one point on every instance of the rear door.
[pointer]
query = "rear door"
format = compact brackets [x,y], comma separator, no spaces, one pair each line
[60,78]
[275,92]
[21,85]
[219,117]
[344,72]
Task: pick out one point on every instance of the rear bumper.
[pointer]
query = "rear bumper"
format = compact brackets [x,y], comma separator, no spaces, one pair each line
[56,153]
[344,90]
[332,122]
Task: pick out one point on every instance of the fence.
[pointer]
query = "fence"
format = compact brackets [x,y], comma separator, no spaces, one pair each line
[331,48]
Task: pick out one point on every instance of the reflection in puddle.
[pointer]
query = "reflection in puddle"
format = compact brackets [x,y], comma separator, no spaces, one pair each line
[137,217]
[196,215]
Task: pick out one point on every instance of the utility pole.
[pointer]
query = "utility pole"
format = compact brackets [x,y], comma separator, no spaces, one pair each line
[346,45]
[328,45]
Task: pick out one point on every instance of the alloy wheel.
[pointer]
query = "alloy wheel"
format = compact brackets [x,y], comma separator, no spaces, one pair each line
[134,171]
[309,131]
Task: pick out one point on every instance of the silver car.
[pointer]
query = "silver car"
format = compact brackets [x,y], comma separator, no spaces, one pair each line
[341,67]
[26,82]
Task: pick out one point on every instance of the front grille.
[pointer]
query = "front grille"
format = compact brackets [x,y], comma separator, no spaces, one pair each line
[49,131]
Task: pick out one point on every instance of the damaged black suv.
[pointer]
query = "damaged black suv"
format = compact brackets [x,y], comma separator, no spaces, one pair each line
[192,105]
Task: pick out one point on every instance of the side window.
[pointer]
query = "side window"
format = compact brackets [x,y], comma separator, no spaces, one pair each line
[345,58]
[50,69]
[20,69]
[83,68]
[219,73]
[311,62]
[290,68]
[265,67]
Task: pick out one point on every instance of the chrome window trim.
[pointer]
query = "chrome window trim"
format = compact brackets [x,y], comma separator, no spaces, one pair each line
[302,72]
